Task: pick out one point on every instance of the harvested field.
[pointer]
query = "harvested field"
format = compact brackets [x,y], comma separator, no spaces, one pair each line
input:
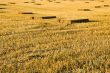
[54,36]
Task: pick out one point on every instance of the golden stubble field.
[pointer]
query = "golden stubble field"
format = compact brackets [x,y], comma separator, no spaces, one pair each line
[54,36]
